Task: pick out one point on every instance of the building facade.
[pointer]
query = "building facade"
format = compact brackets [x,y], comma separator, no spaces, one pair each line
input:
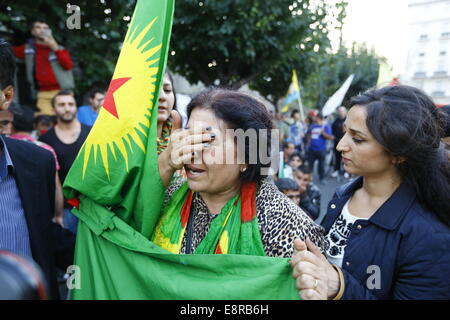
[428,64]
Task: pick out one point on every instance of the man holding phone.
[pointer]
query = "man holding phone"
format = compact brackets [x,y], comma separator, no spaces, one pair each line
[48,66]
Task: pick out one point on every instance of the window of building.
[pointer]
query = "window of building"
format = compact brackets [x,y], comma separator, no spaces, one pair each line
[441,70]
[443,53]
[423,37]
[445,34]
[439,90]
[438,94]
[421,66]
[420,74]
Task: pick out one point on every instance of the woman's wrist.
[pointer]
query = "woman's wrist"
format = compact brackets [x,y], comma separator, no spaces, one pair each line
[336,284]
[166,171]
[333,284]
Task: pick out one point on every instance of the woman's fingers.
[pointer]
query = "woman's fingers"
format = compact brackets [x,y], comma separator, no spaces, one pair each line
[313,248]
[189,149]
[305,267]
[309,270]
[187,158]
[310,294]
[184,135]
[305,281]
[307,284]
[187,154]
[182,140]
[186,145]
[299,245]
[306,256]
[198,128]
[198,138]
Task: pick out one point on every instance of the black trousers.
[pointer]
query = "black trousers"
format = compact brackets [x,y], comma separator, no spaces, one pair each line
[312,156]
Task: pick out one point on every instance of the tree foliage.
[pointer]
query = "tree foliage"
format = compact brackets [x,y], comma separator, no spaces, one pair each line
[94,47]
[233,42]
[226,42]
[333,69]
[320,71]
[274,83]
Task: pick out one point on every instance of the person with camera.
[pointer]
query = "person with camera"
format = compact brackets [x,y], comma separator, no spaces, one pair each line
[48,66]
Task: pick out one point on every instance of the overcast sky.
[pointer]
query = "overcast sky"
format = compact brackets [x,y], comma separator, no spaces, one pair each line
[382,24]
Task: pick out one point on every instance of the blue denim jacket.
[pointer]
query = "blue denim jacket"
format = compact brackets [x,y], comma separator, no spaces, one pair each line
[401,252]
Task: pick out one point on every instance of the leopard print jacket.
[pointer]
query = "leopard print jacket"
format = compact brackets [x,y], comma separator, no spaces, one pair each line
[280,221]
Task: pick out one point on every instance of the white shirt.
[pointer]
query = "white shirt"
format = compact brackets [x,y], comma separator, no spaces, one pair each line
[338,235]
[288,173]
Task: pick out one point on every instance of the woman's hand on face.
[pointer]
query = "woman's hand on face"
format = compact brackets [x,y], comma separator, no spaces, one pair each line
[177,121]
[315,276]
[186,145]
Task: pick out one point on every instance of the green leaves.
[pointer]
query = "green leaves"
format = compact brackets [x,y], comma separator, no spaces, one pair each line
[320,71]
[245,38]
[233,41]
[332,70]
[94,48]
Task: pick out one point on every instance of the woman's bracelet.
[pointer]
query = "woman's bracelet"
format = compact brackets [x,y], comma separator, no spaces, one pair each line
[341,283]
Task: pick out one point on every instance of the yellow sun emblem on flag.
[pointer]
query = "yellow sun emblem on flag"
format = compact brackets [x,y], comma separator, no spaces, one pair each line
[124,119]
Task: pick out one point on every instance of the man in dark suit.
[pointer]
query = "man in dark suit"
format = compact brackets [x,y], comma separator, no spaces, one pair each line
[27,191]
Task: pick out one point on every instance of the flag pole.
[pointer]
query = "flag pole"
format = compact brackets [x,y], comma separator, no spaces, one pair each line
[300,104]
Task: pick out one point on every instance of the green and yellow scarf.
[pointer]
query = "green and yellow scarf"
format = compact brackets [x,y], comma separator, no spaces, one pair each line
[234,231]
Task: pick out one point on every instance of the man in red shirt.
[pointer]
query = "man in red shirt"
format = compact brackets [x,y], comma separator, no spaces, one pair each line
[49,67]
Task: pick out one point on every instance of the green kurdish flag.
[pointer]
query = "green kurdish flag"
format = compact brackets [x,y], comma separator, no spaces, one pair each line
[116,179]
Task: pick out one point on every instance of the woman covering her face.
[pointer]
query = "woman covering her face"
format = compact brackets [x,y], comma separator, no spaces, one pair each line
[226,205]
[388,231]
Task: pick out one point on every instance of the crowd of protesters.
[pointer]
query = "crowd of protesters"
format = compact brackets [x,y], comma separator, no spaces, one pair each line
[308,154]
[388,201]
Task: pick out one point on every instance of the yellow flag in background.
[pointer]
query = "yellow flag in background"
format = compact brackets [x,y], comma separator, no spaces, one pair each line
[293,93]
[385,75]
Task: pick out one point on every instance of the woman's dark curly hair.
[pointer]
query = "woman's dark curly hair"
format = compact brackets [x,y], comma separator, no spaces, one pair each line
[406,122]
[239,111]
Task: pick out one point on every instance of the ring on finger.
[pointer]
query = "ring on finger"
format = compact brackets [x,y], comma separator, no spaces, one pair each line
[316,282]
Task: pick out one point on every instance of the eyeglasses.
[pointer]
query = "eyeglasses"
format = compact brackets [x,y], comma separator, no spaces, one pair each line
[293,196]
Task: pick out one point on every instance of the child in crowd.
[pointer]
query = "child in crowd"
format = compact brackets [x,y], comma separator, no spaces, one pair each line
[290,188]
[42,124]
[309,192]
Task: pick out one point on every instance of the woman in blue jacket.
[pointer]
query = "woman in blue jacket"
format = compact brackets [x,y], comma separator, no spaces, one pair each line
[388,231]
